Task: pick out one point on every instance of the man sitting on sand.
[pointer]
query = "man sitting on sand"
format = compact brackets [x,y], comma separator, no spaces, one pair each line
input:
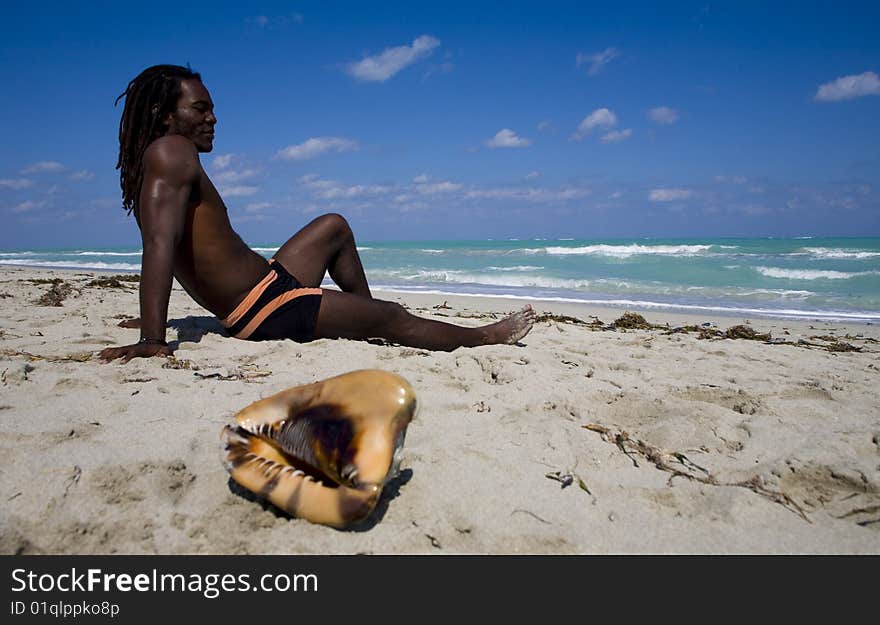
[167,120]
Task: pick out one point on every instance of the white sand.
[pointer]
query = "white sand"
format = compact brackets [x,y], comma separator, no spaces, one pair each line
[112,458]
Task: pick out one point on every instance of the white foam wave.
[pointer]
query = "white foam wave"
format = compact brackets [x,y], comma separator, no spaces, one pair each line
[622,251]
[810,274]
[515,268]
[783,313]
[272,250]
[825,252]
[99,253]
[72,264]
[783,293]
[462,277]
[429,251]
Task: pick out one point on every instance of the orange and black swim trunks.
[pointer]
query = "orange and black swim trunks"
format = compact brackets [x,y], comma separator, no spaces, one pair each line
[279,307]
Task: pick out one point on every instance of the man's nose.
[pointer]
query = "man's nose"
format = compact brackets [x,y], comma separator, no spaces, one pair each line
[211,118]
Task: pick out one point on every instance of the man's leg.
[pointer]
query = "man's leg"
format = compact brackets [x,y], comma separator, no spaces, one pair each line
[344,315]
[325,244]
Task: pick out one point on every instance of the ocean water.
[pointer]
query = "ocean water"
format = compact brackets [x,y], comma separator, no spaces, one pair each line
[816,278]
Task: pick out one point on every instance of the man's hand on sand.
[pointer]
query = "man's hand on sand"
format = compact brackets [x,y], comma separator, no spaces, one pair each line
[136,350]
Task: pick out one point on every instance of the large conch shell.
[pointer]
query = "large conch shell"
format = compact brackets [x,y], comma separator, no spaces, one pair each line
[322,451]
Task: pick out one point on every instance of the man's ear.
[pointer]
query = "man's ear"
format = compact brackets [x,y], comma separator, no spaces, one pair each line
[167,120]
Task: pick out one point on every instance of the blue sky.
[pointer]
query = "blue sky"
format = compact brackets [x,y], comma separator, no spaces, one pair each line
[461,120]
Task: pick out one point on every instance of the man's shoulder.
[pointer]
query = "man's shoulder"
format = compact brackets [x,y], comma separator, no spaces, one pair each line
[172,153]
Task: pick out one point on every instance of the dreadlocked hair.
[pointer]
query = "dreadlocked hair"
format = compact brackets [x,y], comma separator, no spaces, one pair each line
[148,100]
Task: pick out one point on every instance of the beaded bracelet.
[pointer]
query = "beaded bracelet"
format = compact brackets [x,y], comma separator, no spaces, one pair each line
[161,342]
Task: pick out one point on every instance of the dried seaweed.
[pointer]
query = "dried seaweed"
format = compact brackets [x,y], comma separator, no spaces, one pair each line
[662,461]
[245,373]
[172,362]
[564,319]
[835,346]
[531,514]
[56,294]
[632,321]
[75,357]
[745,332]
[44,280]
[111,282]
[841,346]
[705,332]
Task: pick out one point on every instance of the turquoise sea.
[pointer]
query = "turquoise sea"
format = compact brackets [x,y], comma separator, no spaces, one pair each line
[816,278]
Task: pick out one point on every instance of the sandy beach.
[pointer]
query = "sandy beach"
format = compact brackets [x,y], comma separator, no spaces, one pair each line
[590,437]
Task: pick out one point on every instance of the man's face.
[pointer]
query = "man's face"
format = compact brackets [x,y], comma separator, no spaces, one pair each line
[194,117]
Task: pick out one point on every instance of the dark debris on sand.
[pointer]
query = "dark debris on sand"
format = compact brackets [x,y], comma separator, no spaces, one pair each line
[632,321]
[115,282]
[595,323]
[745,332]
[678,465]
[57,293]
[708,331]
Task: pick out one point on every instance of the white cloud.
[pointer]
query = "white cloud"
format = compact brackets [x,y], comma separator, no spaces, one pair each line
[383,66]
[545,126]
[42,166]
[27,206]
[354,191]
[411,207]
[314,181]
[83,174]
[232,175]
[264,20]
[16,183]
[732,179]
[848,87]
[532,175]
[421,179]
[527,194]
[616,136]
[663,115]
[437,187]
[600,118]
[597,61]
[240,219]
[257,206]
[669,195]
[333,190]
[315,147]
[237,191]
[222,161]
[506,138]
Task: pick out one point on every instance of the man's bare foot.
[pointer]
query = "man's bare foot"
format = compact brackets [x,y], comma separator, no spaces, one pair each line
[512,328]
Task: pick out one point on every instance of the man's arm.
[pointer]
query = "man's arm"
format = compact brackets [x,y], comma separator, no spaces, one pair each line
[171,170]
